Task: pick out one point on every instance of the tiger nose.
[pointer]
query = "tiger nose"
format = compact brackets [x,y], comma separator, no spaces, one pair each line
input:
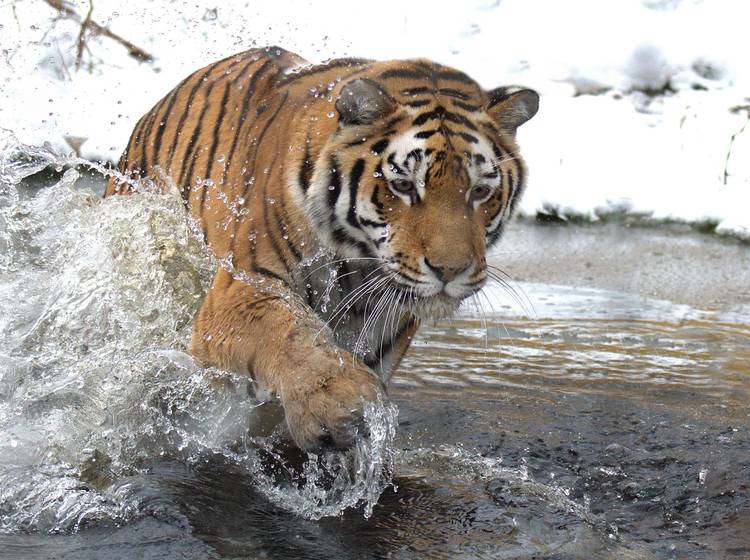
[444,272]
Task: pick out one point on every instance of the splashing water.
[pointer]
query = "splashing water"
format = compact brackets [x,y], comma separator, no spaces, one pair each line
[96,303]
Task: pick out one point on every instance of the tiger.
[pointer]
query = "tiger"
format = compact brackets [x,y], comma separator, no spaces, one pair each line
[348,202]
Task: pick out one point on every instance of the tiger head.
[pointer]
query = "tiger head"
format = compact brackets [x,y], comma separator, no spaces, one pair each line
[421,173]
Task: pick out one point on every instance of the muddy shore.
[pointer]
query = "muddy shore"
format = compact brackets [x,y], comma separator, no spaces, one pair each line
[673,263]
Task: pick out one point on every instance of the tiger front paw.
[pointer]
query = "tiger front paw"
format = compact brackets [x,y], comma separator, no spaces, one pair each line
[324,407]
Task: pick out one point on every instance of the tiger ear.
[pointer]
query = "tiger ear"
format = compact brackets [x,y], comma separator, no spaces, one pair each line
[363,101]
[512,106]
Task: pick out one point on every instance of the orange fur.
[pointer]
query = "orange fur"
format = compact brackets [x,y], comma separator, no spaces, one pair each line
[406,170]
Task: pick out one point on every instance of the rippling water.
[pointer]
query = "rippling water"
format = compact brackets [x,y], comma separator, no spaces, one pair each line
[555,422]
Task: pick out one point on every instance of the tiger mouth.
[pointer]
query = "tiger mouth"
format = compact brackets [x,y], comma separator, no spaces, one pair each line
[411,290]
[436,306]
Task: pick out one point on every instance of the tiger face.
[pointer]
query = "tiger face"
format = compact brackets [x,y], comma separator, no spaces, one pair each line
[422,179]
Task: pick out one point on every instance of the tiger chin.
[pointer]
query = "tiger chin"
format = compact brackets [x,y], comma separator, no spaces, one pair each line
[349,201]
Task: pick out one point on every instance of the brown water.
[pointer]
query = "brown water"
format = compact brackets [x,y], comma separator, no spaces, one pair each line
[562,422]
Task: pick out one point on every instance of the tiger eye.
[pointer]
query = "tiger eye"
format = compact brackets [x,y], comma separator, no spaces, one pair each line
[479,192]
[402,185]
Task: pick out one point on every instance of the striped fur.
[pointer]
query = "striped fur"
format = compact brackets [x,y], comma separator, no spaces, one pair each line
[351,199]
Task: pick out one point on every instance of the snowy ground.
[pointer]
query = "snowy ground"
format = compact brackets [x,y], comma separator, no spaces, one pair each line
[641,99]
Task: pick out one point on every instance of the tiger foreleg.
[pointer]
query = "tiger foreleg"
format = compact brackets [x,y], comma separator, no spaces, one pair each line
[289,353]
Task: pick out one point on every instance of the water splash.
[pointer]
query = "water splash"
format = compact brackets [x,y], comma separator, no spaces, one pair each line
[458,464]
[96,303]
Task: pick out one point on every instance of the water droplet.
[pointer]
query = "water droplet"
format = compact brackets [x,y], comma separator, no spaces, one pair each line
[330,114]
[221,158]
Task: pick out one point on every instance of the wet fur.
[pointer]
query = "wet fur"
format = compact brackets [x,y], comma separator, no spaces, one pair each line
[289,170]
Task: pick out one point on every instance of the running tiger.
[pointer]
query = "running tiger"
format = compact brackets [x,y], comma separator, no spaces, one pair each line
[348,201]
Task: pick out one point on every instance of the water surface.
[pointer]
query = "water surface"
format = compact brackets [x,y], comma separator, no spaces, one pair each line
[561,421]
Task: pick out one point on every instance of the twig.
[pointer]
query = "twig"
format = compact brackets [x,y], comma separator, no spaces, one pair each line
[62,63]
[82,35]
[67,11]
[745,108]
[15,16]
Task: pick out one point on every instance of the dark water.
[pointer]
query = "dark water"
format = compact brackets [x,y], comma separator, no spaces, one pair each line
[566,423]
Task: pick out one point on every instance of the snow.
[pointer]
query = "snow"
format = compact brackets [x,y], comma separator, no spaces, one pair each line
[640,99]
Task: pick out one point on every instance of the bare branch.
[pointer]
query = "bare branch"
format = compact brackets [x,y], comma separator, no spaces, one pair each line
[82,35]
[88,24]
[736,110]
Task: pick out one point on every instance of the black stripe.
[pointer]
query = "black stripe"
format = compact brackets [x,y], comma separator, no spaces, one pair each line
[425,134]
[466,106]
[320,68]
[449,92]
[455,76]
[192,145]
[186,111]
[394,121]
[394,166]
[173,95]
[284,229]
[163,123]
[306,169]
[516,189]
[374,197]
[416,91]
[287,237]
[386,348]
[369,223]
[275,245]
[135,141]
[342,238]
[147,128]
[418,103]
[416,153]
[259,138]
[465,135]
[215,141]
[357,142]
[424,117]
[440,113]
[459,119]
[404,73]
[499,208]
[380,145]
[245,108]
[266,272]
[354,178]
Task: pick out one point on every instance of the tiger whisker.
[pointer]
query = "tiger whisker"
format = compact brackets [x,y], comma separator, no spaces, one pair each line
[495,271]
[355,295]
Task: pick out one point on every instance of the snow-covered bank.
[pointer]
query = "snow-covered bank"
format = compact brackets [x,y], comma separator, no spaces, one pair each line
[641,99]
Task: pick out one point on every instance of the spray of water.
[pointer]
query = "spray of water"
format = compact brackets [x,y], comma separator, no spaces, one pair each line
[96,303]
